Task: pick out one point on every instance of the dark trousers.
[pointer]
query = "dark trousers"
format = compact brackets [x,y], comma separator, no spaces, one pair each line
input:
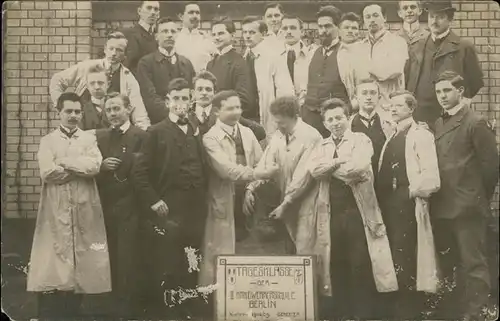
[59,305]
[313,118]
[354,293]
[164,259]
[461,245]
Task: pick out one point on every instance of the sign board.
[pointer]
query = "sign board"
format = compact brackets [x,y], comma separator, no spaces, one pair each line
[265,288]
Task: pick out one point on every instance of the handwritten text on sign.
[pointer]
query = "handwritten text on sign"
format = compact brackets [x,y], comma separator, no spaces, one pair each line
[265,288]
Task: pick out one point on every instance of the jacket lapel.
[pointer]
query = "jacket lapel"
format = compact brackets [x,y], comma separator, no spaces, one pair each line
[450,44]
[247,145]
[451,124]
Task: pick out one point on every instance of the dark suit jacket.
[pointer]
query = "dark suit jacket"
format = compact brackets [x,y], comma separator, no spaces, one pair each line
[232,73]
[112,190]
[256,128]
[154,73]
[140,43]
[468,165]
[92,118]
[456,54]
[162,160]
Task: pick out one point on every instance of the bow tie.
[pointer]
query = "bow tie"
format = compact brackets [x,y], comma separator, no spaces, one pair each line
[182,121]
[117,130]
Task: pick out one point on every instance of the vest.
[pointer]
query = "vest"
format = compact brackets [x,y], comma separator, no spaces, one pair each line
[324,80]
[190,172]
[393,173]
[114,82]
[376,135]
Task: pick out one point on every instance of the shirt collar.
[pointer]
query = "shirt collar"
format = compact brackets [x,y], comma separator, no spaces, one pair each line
[404,124]
[378,36]
[164,52]
[440,36]
[454,110]
[299,48]
[195,31]
[173,117]
[125,126]
[295,129]
[199,110]
[334,42]
[225,50]
[96,101]
[411,28]
[364,114]
[106,64]
[69,130]
[145,25]
[345,137]
[228,129]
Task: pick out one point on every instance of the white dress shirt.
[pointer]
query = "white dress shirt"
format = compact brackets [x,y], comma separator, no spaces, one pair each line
[174,118]
[440,36]
[171,54]
[196,46]
[199,112]
[454,110]
[326,50]
[98,102]
[370,117]
[125,126]
[146,26]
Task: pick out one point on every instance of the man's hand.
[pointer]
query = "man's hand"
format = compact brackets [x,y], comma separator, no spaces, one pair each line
[111,163]
[278,212]
[160,208]
[249,203]
[266,173]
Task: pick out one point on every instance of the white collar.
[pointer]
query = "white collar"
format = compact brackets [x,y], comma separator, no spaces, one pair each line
[344,137]
[333,43]
[67,129]
[404,124]
[411,28]
[454,110]
[297,47]
[347,46]
[164,52]
[256,50]
[195,31]
[174,118]
[145,25]
[99,102]
[125,126]
[364,114]
[199,110]
[228,129]
[378,36]
[440,36]
[296,128]
[225,50]
[106,64]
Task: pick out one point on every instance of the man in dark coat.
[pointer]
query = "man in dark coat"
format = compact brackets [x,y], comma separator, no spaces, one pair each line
[157,69]
[441,50]
[228,66]
[203,115]
[141,37]
[174,156]
[468,165]
[93,99]
[116,182]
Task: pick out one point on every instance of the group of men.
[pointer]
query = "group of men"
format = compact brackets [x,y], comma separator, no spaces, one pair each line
[158,163]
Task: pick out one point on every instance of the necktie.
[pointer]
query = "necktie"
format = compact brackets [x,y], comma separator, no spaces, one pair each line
[337,140]
[327,51]
[290,60]
[69,134]
[151,30]
[204,117]
[368,120]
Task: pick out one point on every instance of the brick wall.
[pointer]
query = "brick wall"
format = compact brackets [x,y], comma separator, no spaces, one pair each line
[44,37]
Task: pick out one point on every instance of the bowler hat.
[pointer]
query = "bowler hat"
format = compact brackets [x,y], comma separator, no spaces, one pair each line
[439,5]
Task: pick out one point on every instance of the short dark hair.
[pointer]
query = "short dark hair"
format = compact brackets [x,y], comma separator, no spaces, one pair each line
[287,106]
[274,5]
[115,35]
[351,16]
[333,103]
[368,81]
[250,19]
[207,75]
[454,78]
[67,96]
[226,21]
[221,96]
[124,98]
[288,16]
[164,20]
[382,8]
[410,99]
[330,11]
[178,84]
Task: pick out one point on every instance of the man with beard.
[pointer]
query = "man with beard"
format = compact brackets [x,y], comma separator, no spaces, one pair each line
[69,256]
[174,157]
[383,54]
[324,79]
[203,115]
[350,24]
[266,67]
[412,31]
[468,165]
[227,65]
[191,42]
[441,50]
[141,37]
[157,69]
[296,54]
[117,78]
[117,183]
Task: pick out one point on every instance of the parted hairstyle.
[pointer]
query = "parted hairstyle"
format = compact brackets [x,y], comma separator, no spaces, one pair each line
[178,84]
[289,16]
[67,96]
[274,5]
[330,11]
[287,106]
[368,81]
[165,20]
[410,99]
[221,96]
[226,21]
[454,78]
[333,103]
[250,19]
[116,35]
[124,98]
[207,75]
